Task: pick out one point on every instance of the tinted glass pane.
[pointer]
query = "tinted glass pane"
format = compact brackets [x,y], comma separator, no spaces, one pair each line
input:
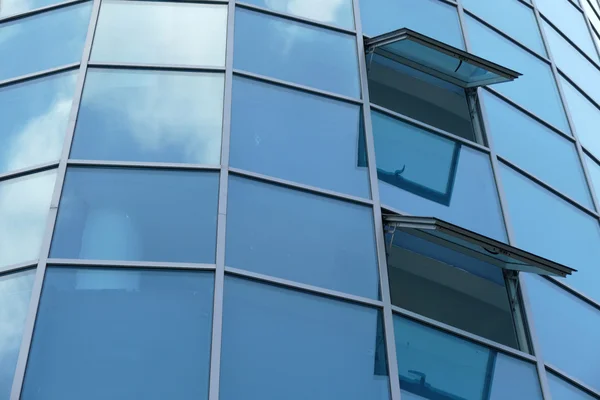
[282,344]
[324,242]
[336,12]
[594,174]
[296,52]
[34,119]
[121,334]
[594,19]
[567,330]
[43,41]
[429,17]
[562,390]
[570,21]
[24,206]
[537,76]
[423,174]
[298,136]
[550,227]
[150,116]
[161,33]
[515,135]
[512,17]
[15,291]
[434,365]
[13,7]
[137,214]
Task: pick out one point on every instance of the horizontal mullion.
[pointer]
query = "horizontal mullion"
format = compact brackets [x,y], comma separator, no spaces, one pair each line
[578,88]
[39,74]
[567,287]
[128,264]
[573,381]
[13,268]
[139,164]
[157,67]
[41,10]
[28,171]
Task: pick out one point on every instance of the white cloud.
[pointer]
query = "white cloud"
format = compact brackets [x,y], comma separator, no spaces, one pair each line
[319,10]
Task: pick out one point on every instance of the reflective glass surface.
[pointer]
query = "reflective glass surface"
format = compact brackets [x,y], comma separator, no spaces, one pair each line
[298,136]
[301,237]
[15,292]
[34,117]
[567,330]
[560,389]
[161,33]
[537,76]
[594,19]
[14,7]
[24,207]
[43,41]
[429,17]
[512,17]
[283,344]
[296,52]
[424,174]
[515,135]
[121,334]
[594,174]
[435,365]
[550,227]
[158,116]
[137,215]
[335,12]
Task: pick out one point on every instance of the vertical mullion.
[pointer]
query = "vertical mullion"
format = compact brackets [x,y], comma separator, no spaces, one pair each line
[36,292]
[388,322]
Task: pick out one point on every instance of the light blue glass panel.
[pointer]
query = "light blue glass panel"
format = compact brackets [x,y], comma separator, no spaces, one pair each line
[561,390]
[155,116]
[429,17]
[424,174]
[121,334]
[161,33]
[548,226]
[298,136]
[537,76]
[567,330]
[15,292]
[283,344]
[323,242]
[334,12]
[515,135]
[435,365]
[296,52]
[33,120]
[570,21]
[43,41]
[14,7]
[594,174]
[137,215]
[512,17]
[585,116]
[24,207]
[572,63]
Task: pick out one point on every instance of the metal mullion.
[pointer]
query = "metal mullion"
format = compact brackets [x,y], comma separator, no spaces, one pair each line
[129,264]
[574,292]
[588,23]
[300,186]
[41,10]
[140,164]
[573,381]
[384,287]
[36,291]
[9,269]
[449,2]
[28,171]
[157,67]
[38,74]
[578,88]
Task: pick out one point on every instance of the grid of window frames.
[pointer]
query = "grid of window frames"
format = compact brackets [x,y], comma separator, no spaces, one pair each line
[157,176]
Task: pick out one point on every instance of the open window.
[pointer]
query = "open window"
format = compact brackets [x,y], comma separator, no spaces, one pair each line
[460,278]
[430,81]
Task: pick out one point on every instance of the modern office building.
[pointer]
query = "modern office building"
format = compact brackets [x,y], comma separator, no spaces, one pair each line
[300,200]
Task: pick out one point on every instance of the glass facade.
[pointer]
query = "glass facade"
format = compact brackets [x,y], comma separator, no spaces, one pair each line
[194,196]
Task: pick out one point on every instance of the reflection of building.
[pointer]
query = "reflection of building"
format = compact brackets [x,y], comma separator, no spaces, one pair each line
[298,199]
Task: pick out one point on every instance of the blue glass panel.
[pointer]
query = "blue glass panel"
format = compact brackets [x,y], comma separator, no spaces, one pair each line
[550,227]
[323,242]
[271,134]
[43,41]
[121,334]
[512,17]
[137,215]
[296,52]
[562,390]
[14,7]
[15,292]
[34,119]
[335,12]
[283,344]
[435,365]
[429,17]
[150,116]
[24,207]
[537,76]
[515,134]
[567,330]
[161,33]
[594,174]
[424,174]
